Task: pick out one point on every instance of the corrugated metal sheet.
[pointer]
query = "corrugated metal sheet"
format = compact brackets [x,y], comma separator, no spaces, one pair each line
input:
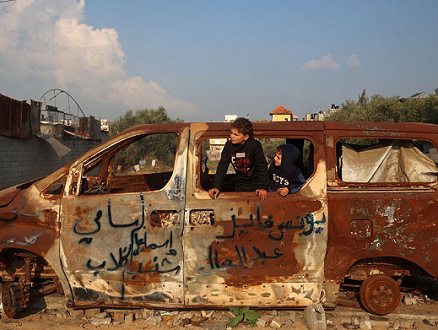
[89,127]
[15,118]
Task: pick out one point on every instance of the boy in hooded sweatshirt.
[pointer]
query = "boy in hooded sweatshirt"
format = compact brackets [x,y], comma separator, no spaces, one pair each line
[284,176]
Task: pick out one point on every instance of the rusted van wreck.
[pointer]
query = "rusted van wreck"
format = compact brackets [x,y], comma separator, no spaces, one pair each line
[130,223]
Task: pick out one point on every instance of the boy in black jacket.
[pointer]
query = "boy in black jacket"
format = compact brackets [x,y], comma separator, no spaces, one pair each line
[284,176]
[246,155]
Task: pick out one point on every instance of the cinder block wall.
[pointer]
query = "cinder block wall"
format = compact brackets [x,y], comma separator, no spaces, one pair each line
[22,160]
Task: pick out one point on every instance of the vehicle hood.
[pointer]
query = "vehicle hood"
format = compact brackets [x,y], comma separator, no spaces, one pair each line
[7,195]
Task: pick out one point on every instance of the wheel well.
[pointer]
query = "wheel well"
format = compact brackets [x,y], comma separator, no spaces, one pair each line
[392,266]
[13,267]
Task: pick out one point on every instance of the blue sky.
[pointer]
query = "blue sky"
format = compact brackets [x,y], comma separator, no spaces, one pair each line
[204,59]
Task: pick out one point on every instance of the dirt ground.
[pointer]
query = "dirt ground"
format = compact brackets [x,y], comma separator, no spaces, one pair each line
[418,310]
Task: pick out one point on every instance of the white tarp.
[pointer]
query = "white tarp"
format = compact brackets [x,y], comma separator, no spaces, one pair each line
[389,161]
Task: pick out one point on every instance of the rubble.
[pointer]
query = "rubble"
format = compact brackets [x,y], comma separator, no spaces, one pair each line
[314,318]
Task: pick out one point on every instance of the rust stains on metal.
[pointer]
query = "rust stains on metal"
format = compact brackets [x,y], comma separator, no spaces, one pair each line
[15,118]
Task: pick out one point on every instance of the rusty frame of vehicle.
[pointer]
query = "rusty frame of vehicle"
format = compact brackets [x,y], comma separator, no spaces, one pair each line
[110,248]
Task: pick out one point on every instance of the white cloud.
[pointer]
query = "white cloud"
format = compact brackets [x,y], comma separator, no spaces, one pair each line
[323,64]
[353,62]
[47,43]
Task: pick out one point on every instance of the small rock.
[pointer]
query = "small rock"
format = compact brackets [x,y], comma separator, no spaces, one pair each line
[276,322]
[262,322]
[91,312]
[197,320]
[129,318]
[355,321]
[207,315]
[76,313]
[410,300]
[119,316]
[153,320]
[145,313]
[286,322]
[366,324]
[101,315]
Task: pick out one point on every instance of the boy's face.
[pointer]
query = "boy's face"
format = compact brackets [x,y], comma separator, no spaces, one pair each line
[277,159]
[237,137]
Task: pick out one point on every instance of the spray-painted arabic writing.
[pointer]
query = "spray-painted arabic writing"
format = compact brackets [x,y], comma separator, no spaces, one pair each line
[307,224]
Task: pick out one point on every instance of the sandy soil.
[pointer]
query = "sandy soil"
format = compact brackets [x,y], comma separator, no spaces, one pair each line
[423,315]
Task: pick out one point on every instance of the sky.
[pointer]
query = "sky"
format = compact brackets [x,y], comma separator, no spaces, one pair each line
[204,59]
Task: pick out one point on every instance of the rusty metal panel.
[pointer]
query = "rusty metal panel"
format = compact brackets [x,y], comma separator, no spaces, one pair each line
[246,252]
[15,118]
[35,115]
[126,249]
[389,222]
[89,127]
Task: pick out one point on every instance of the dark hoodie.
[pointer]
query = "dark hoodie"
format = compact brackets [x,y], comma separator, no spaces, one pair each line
[287,174]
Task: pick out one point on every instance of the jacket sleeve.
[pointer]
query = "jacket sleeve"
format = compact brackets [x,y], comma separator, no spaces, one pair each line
[262,167]
[222,167]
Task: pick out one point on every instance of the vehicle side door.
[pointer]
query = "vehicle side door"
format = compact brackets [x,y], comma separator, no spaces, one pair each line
[122,220]
[241,251]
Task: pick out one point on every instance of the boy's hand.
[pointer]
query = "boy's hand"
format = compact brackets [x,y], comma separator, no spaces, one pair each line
[262,193]
[283,191]
[213,193]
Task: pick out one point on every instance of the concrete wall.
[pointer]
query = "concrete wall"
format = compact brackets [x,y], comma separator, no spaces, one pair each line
[22,160]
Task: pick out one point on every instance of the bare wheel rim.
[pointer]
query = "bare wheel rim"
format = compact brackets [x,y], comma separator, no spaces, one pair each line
[7,301]
[380,294]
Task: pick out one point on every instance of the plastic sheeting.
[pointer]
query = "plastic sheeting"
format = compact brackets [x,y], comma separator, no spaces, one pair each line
[389,161]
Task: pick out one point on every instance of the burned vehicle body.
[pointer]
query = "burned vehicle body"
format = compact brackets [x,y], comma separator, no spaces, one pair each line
[130,223]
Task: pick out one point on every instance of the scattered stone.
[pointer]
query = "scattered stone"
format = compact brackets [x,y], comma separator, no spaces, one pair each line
[286,322]
[207,315]
[197,320]
[410,299]
[355,321]
[91,312]
[276,322]
[146,313]
[101,315]
[76,313]
[119,316]
[427,322]
[216,324]
[129,318]
[366,324]
[101,321]
[262,322]
[291,316]
[62,313]
[154,320]
[314,315]
[182,319]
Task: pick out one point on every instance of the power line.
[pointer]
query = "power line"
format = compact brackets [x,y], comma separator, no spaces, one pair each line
[7,1]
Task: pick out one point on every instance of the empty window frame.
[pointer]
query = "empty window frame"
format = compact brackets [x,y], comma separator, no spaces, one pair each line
[145,164]
[211,150]
[386,160]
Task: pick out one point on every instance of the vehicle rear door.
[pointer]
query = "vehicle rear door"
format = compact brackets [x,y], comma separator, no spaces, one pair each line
[241,251]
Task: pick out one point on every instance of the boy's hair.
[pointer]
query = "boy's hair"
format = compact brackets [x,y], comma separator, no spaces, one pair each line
[278,150]
[243,125]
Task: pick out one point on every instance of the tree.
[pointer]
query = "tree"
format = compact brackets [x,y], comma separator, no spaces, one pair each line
[389,109]
[154,146]
[145,116]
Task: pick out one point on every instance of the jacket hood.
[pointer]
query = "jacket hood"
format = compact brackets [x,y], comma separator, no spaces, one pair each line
[289,155]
